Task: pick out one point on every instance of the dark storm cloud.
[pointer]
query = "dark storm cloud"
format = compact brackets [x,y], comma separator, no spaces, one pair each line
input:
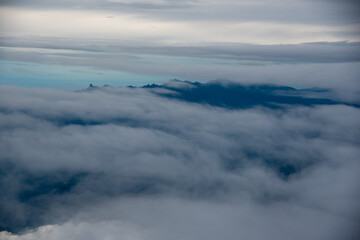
[125,161]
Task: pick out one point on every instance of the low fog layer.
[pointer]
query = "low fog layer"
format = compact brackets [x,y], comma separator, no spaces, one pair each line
[146,163]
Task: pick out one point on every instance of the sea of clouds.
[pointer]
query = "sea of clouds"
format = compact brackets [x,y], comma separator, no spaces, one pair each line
[130,163]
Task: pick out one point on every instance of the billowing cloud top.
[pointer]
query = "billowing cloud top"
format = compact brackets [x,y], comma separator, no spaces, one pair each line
[157,163]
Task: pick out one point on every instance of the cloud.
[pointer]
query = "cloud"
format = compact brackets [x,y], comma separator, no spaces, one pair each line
[128,162]
[174,22]
[313,52]
[81,231]
[176,219]
[325,12]
[320,64]
[181,160]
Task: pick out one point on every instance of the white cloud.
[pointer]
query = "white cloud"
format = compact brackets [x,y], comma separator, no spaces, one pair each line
[175,219]
[107,230]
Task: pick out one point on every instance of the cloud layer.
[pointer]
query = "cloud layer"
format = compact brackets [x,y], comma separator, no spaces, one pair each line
[188,22]
[180,160]
[325,12]
[75,61]
[127,162]
[118,42]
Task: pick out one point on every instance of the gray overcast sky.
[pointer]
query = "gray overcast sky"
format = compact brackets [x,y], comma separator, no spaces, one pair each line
[187,22]
[122,42]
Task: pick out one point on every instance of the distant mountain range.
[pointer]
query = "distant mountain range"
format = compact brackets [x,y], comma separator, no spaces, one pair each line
[239,96]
